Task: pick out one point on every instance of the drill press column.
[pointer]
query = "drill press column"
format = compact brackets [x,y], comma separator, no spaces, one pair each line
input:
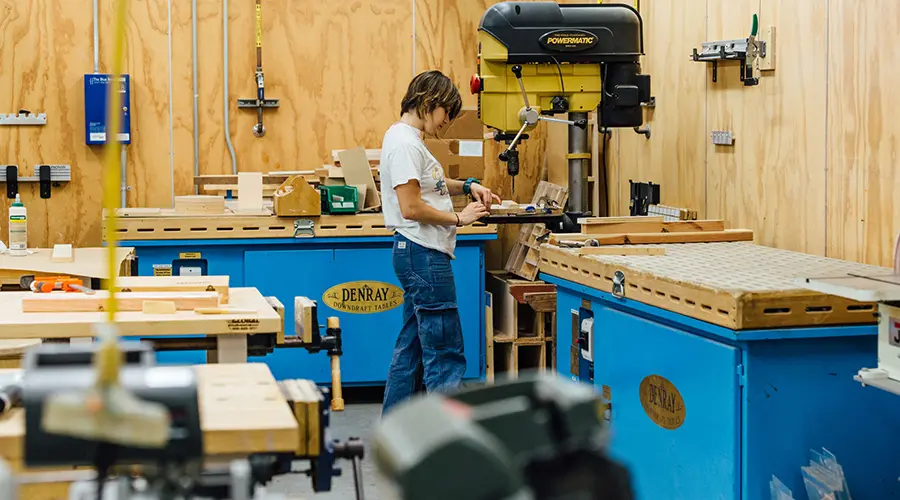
[578,148]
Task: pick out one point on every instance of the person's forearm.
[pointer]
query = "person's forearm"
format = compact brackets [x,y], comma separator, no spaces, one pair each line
[426,214]
[454,186]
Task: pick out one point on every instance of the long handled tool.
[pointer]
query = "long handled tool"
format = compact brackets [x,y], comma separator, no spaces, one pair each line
[260,102]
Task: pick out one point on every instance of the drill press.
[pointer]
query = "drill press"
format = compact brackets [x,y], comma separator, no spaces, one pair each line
[539,59]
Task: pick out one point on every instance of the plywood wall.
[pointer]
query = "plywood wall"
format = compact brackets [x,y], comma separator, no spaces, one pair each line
[813,164]
[339,70]
[812,168]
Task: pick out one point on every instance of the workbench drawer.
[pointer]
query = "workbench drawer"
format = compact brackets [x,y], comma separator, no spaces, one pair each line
[675,399]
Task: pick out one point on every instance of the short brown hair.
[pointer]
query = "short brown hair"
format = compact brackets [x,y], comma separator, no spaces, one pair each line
[431,90]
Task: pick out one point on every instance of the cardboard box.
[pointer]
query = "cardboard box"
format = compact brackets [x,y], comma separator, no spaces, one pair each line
[465,126]
[461,159]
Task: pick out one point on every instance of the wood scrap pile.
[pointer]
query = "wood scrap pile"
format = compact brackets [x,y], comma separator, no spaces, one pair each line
[600,231]
[147,294]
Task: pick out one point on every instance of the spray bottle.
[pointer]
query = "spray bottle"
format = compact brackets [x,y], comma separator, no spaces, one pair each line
[18,228]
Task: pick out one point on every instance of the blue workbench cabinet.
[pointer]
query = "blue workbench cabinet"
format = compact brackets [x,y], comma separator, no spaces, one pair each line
[698,411]
[289,267]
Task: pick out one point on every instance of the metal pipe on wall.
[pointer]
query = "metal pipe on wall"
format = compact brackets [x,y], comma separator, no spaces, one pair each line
[578,145]
[96,37]
[225,86]
[171,111]
[196,91]
[124,187]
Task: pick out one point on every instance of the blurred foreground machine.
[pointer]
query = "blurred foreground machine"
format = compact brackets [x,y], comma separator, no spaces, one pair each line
[538,59]
[535,438]
[140,430]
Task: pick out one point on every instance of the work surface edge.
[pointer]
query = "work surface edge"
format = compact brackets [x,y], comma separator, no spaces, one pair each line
[242,411]
[16,324]
[246,226]
[732,309]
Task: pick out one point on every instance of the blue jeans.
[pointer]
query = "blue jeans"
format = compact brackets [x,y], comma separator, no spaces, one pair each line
[430,344]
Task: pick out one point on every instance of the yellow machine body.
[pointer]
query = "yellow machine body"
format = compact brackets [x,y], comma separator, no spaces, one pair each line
[500,100]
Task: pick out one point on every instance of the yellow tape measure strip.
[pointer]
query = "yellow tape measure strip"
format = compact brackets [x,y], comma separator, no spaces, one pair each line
[258,25]
[112,176]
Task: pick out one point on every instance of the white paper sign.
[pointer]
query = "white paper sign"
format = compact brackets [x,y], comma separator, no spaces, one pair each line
[471,148]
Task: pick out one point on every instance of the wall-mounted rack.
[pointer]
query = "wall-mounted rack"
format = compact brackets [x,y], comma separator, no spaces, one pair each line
[23,118]
[753,54]
[46,175]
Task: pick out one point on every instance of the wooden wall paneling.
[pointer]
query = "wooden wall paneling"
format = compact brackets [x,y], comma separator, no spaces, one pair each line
[45,49]
[447,40]
[863,215]
[334,66]
[675,154]
[147,61]
[779,153]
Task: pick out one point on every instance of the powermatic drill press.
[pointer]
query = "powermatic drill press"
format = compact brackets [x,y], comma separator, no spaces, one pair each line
[541,437]
[539,59]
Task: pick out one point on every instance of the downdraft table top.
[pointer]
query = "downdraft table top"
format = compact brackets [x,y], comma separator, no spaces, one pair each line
[16,324]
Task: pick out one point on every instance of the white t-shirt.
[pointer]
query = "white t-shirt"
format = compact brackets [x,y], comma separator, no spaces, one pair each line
[405,157]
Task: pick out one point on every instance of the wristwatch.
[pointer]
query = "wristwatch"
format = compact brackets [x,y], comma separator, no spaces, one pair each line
[467,186]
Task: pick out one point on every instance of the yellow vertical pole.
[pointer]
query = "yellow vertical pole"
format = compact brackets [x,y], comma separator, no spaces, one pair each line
[112,176]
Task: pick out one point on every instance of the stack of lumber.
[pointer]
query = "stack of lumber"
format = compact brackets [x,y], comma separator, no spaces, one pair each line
[520,319]
[147,294]
[670,214]
[644,230]
[524,259]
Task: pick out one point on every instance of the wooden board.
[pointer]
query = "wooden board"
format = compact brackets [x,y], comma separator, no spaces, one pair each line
[524,258]
[87,262]
[645,238]
[626,250]
[590,226]
[250,189]
[14,323]
[242,411]
[218,284]
[62,254]
[513,317]
[735,285]
[199,204]
[238,226]
[863,212]
[53,303]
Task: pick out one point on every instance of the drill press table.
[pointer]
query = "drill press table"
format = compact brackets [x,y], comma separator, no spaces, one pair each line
[231,331]
[242,411]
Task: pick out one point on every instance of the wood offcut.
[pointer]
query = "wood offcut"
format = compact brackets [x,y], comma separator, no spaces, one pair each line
[61,302]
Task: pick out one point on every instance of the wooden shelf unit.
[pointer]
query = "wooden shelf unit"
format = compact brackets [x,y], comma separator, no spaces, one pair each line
[521,326]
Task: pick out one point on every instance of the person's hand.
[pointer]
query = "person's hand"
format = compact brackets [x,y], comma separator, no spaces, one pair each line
[483,195]
[472,213]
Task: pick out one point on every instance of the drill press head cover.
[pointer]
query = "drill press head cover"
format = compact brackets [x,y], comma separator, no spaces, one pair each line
[572,58]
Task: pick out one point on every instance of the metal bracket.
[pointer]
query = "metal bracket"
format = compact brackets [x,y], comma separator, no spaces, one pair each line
[46,175]
[251,103]
[304,228]
[722,137]
[23,118]
[746,50]
[618,286]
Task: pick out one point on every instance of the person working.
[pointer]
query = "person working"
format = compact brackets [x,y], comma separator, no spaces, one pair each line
[417,207]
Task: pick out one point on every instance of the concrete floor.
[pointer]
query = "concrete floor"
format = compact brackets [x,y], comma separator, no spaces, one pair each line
[359,419]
